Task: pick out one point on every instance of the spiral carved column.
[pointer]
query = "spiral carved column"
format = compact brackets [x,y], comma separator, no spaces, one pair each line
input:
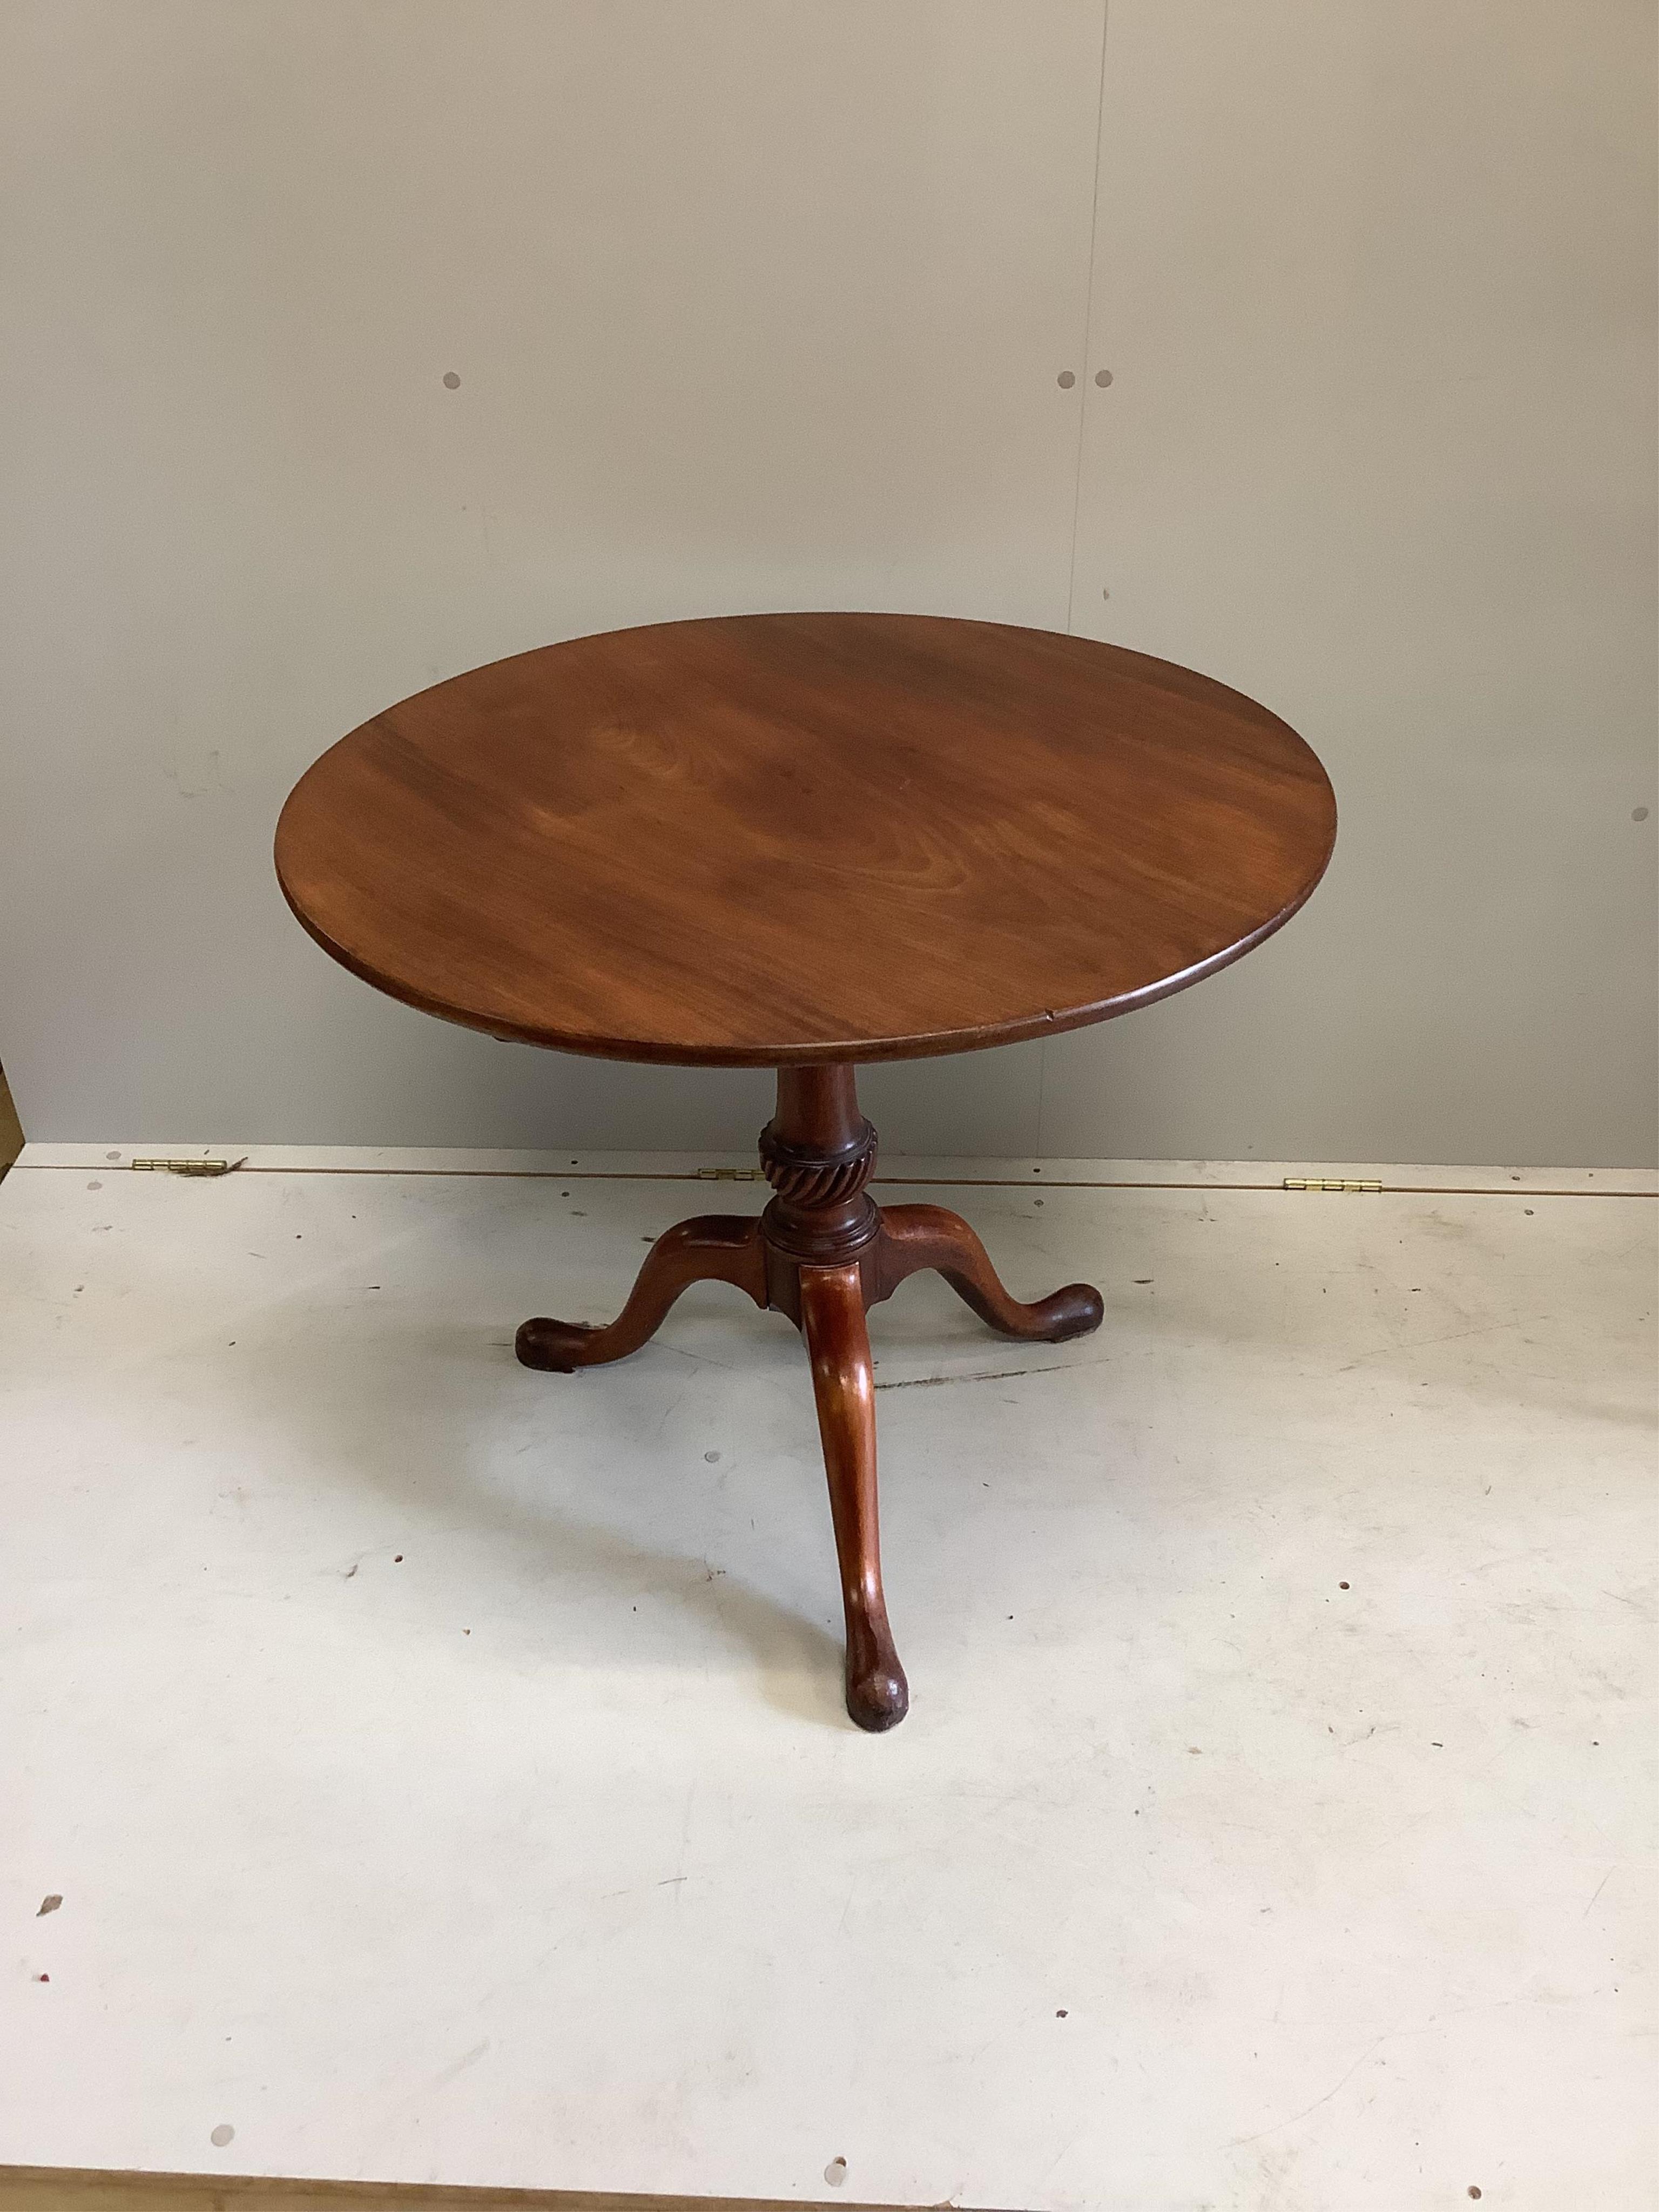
[817,1153]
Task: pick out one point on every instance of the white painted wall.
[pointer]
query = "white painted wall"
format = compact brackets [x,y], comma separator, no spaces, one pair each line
[762,303]
[1375,283]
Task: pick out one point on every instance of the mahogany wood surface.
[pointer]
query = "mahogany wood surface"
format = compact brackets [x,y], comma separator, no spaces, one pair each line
[722,1248]
[823,1252]
[776,839]
[803,840]
[844,1384]
[916,1236]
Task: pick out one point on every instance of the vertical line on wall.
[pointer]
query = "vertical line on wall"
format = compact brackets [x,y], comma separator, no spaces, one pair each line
[1082,418]
[1088,324]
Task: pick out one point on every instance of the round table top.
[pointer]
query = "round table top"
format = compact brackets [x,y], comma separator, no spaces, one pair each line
[775,839]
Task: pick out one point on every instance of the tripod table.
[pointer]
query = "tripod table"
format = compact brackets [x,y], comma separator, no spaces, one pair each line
[801,841]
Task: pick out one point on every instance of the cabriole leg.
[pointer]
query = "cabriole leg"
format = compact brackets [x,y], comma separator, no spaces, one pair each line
[916,1237]
[832,1321]
[721,1248]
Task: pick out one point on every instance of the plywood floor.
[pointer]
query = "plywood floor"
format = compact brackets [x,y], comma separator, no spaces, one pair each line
[442,1769]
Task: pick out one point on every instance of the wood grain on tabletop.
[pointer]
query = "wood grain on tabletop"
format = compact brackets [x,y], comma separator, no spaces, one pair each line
[772,839]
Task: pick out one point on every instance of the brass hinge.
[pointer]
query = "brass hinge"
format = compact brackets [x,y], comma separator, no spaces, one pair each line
[728,1174]
[1327,1183]
[190,1167]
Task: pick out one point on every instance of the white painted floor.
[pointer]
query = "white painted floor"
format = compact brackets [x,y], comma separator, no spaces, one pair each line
[443,1769]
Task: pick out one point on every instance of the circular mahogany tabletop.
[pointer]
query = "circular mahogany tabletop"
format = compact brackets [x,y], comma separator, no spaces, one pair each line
[775,839]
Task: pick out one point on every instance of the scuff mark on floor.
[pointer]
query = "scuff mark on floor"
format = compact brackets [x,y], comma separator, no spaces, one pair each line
[986,1375]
